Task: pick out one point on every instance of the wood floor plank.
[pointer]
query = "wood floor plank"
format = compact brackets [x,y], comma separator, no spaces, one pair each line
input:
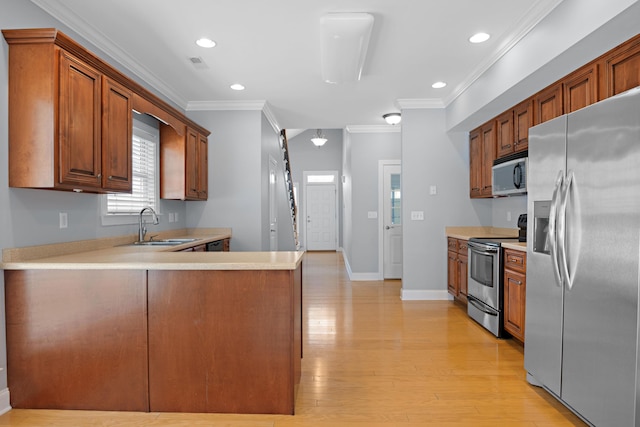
[371,359]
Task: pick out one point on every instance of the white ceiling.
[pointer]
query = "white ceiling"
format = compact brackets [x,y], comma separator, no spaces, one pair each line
[273,48]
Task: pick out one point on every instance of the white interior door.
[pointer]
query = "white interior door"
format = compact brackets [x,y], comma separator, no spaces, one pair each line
[392,222]
[321,217]
[273,206]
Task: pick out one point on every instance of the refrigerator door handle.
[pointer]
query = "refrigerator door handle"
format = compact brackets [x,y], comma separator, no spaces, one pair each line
[552,234]
[562,241]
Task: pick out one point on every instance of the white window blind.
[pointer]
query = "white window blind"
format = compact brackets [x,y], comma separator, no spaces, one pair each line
[144,165]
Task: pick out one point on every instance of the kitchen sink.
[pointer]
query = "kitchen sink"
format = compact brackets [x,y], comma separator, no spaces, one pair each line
[156,243]
[164,242]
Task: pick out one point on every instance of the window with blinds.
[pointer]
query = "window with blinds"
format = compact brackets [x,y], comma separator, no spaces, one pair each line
[144,165]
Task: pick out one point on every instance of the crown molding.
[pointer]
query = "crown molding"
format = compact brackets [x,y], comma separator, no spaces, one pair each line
[68,17]
[374,129]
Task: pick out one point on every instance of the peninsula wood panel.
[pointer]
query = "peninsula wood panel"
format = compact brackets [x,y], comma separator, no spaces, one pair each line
[225,341]
[77,339]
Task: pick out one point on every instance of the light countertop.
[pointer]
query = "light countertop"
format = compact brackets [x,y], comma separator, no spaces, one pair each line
[465,233]
[121,254]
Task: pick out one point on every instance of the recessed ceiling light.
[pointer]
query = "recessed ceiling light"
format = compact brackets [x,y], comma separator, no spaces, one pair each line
[237,86]
[204,42]
[479,38]
[438,85]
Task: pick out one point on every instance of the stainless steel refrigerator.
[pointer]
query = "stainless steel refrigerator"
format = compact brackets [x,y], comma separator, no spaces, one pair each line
[581,335]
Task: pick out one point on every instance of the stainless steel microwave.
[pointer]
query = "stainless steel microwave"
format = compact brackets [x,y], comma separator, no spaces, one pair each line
[509,178]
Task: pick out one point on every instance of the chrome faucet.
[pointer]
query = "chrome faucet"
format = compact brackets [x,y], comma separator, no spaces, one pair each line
[142,229]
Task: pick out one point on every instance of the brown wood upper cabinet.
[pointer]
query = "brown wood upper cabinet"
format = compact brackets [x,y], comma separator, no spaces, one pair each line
[621,68]
[79,136]
[70,121]
[482,146]
[183,164]
[548,103]
[512,129]
[580,88]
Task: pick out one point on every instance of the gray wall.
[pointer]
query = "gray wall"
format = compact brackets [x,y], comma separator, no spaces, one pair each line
[307,157]
[364,151]
[430,156]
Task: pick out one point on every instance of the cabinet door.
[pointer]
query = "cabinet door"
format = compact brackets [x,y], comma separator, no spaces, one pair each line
[116,137]
[463,265]
[203,166]
[475,164]
[622,68]
[514,303]
[452,273]
[581,88]
[192,164]
[79,146]
[488,156]
[549,103]
[504,134]
[522,121]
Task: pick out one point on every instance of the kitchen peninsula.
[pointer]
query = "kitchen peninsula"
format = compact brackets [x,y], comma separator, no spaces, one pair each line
[150,328]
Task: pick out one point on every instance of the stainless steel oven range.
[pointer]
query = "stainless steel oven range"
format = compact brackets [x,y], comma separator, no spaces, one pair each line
[485,283]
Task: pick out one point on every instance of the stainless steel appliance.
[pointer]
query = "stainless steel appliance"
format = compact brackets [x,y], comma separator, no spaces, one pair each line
[583,258]
[509,175]
[485,283]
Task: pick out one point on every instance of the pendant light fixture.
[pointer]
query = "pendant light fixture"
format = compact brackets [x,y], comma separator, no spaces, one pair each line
[319,139]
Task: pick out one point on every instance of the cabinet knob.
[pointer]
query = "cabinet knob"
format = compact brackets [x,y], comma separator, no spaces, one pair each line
[99,175]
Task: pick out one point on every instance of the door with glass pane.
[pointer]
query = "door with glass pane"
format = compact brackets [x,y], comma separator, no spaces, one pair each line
[392,222]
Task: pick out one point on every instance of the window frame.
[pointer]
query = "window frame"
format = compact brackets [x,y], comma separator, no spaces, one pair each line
[149,133]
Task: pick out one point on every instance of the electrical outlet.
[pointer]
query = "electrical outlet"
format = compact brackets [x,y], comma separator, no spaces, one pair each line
[63,220]
[172,217]
[508,215]
[433,190]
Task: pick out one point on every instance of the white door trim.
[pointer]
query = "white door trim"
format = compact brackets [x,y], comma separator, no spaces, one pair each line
[381,165]
[303,217]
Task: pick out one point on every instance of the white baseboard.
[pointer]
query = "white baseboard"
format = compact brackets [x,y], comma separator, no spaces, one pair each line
[356,277]
[424,295]
[5,402]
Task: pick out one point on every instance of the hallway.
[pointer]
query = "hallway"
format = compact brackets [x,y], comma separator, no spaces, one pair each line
[373,360]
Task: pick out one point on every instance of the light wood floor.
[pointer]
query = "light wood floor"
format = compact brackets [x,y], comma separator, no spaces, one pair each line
[373,360]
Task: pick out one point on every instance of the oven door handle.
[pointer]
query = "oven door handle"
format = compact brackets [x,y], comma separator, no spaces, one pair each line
[480,307]
[479,248]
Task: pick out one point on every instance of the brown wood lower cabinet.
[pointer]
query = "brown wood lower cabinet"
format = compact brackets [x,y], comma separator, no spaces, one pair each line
[77,339]
[224,341]
[515,288]
[137,340]
[457,268]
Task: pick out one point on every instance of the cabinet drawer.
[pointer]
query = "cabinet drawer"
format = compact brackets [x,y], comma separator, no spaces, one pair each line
[463,247]
[452,243]
[515,260]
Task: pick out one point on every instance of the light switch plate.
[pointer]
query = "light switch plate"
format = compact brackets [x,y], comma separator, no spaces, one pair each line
[372,214]
[63,220]
[433,190]
[417,215]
